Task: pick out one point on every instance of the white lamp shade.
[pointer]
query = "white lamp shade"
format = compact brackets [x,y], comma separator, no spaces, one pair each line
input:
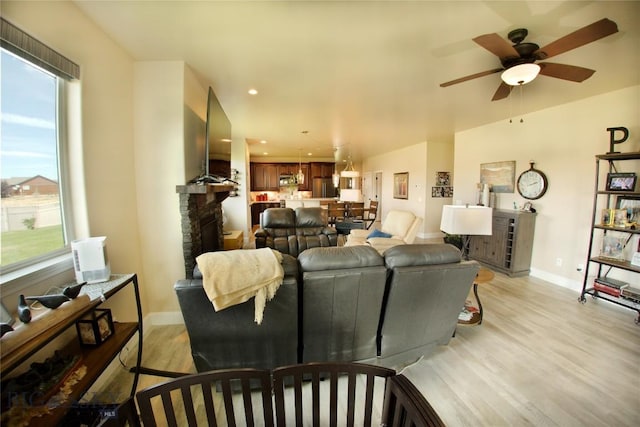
[349,174]
[350,195]
[520,74]
[466,220]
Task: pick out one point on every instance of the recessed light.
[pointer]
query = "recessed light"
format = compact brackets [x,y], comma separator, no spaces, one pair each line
[265,154]
[309,154]
[225,140]
[253,92]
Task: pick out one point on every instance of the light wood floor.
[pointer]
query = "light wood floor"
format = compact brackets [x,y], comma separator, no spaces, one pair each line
[539,358]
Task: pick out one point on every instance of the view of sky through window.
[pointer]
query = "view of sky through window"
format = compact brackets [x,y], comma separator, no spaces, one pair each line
[31,215]
[28,128]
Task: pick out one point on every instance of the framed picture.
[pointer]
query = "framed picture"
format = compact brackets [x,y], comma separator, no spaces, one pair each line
[621,181]
[620,218]
[500,176]
[401,185]
[612,247]
[632,205]
[443,179]
[606,217]
[445,191]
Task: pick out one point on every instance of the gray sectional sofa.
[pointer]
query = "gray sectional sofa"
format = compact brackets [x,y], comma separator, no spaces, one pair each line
[337,304]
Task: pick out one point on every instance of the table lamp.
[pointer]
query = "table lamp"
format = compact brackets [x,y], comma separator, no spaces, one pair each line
[466,221]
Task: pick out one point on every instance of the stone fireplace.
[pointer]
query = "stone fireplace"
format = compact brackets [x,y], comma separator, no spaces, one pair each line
[201,220]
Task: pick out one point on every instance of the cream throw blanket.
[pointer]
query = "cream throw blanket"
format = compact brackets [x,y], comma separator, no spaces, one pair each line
[232,277]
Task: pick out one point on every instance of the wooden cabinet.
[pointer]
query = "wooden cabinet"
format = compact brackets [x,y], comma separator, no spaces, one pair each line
[95,359]
[611,234]
[259,207]
[265,177]
[322,170]
[509,247]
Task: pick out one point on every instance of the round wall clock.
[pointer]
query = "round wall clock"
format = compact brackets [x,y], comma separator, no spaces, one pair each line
[532,183]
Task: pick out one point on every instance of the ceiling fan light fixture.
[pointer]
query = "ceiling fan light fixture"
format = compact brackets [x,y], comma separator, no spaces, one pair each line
[520,74]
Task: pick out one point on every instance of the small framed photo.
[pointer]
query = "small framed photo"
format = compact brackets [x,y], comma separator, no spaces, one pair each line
[606,218]
[624,181]
[612,247]
[620,218]
[401,185]
[632,205]
[443,179]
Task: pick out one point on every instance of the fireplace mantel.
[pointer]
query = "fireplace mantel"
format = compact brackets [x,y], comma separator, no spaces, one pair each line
[219,191]
[201,213]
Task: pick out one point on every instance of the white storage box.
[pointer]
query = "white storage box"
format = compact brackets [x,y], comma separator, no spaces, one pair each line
[90,260]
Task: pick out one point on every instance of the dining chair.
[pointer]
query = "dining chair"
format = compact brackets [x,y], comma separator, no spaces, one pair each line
[405,405]
[335,212]
[176,402]
[332,385]
[371,213]
[355,210]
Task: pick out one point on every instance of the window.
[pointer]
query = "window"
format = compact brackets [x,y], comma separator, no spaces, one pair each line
[34,216]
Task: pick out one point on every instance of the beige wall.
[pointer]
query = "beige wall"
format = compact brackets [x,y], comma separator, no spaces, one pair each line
[439,159]
[107,126]
[412,159]
[562,141]
[422,161]
[160,90]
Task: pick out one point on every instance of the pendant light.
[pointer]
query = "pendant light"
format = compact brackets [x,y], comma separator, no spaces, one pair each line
[300,175]
[336,176]
[349,171]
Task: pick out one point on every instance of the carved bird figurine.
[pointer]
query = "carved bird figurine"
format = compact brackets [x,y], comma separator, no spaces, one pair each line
[73,291]
[24,314]
[4,328]
[50,301]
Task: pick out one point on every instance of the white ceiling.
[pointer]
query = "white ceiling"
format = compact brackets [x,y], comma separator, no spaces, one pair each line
[364,75]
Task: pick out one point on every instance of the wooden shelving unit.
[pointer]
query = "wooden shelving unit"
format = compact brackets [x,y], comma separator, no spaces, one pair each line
[604,199]
[95,359]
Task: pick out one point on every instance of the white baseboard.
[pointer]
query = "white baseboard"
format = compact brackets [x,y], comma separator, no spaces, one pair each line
[164,318]
[556,280]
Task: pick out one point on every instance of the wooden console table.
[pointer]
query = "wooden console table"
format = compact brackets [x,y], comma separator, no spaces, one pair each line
[95,359]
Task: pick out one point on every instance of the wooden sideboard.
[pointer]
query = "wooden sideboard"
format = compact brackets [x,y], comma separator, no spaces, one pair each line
[509,247]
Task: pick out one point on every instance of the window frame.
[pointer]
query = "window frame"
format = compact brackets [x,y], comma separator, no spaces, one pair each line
[22,274]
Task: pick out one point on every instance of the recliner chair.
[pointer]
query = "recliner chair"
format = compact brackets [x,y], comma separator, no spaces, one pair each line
[341,297]
[400,226]
[291,232]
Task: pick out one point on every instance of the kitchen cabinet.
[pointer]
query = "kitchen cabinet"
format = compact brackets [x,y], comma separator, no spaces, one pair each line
[508,249]
[265,177]
[322,170]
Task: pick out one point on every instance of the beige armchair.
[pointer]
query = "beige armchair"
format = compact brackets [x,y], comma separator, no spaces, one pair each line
[402,226]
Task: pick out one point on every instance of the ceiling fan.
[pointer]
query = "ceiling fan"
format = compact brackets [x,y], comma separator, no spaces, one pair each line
[518,60]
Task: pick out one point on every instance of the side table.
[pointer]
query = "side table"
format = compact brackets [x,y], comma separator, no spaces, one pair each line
[233,239]
[484,276]
[345,226]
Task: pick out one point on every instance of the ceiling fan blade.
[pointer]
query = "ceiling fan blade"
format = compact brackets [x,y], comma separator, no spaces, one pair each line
[471,77]
[584,35]
[497,45]
[504,90]
[565,72]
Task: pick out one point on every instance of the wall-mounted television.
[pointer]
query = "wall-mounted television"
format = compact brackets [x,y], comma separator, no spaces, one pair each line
[217,143]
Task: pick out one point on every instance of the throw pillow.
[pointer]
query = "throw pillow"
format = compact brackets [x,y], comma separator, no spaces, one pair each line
[378,233]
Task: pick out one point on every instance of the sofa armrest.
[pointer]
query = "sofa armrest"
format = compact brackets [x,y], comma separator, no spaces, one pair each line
[260,236]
